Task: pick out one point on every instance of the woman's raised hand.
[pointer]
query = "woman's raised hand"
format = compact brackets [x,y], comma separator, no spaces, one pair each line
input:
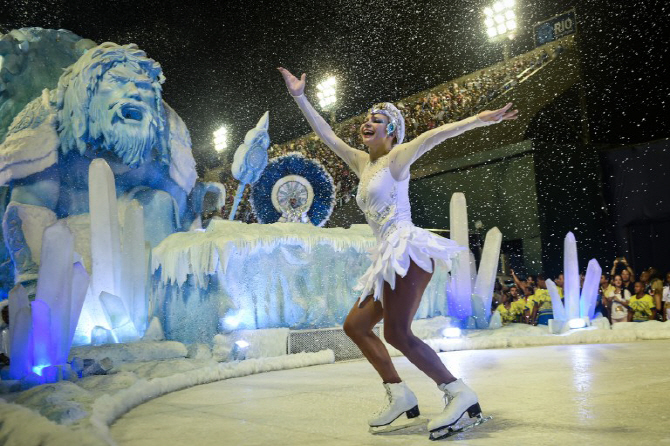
[502,114]
[295,86]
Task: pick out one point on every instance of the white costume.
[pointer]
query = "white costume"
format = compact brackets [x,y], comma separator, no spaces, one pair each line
[383,198]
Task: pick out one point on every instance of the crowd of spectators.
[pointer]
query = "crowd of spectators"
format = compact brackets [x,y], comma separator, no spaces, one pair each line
[446,103]
[622,296]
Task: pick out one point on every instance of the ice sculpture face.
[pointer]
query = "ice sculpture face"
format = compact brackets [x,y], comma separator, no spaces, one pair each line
[123,114]
[111,100]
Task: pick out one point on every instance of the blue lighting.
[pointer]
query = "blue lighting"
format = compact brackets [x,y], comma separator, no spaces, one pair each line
[38,369]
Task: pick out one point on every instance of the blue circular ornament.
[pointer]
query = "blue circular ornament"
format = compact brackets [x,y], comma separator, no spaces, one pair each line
[322,194]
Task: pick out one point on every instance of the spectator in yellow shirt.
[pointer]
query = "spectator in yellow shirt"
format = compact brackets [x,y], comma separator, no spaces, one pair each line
[539,304]
[641,305]
[508,311]
[518,302]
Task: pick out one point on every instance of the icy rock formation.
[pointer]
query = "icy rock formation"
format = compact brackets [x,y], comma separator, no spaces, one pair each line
[117,296]
[42,330]
[470,292]
[577,305]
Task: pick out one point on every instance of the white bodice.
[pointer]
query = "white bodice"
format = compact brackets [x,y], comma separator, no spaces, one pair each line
[383,200]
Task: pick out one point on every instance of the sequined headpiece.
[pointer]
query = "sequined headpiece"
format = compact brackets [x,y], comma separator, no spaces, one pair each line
[396,125]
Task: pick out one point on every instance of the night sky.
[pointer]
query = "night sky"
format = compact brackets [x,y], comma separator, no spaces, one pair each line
[219,58]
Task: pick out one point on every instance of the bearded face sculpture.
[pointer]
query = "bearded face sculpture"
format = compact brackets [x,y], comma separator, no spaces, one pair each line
[122,115]
[110,101]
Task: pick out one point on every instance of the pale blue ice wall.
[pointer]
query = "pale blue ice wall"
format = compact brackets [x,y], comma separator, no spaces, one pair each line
[284,286]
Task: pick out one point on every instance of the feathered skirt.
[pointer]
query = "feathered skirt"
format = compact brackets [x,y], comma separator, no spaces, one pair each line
[392,257]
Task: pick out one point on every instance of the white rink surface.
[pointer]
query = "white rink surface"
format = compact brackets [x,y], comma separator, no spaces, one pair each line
[614,394]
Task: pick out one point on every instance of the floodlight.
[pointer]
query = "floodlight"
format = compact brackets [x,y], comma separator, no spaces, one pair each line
[500,21]
[326,92]
[221,139]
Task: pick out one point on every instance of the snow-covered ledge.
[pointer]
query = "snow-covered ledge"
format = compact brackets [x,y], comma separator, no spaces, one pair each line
[202,253]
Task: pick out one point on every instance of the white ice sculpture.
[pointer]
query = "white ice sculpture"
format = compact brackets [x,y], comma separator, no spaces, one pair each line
[20,333]
[134,267]
[105,245]
[486,275]
[589,296]
[251,158]
[54,285]
[571,276]
[41,332]
[459,301]
[577,306]
[556,303]
[117,298]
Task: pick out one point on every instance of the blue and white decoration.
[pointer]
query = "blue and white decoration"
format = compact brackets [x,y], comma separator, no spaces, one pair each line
[250,158]
[293,176]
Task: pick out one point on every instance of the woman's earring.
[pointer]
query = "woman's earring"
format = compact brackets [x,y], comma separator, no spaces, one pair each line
[390,128]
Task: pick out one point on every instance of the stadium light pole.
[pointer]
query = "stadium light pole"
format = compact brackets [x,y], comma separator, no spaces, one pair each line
[325,92]
[500,20]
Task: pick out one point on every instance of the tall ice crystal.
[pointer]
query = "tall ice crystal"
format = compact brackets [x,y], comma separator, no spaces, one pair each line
[105,240]
[486,276]
[589,294]
[20,333]
[54,285]
[134,267]
[41,332]
[459,302]
[571,276]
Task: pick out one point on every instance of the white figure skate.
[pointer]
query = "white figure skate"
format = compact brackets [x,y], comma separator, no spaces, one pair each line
[459,400]
[399,400]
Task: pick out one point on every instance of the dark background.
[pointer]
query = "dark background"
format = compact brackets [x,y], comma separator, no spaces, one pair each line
[219,58]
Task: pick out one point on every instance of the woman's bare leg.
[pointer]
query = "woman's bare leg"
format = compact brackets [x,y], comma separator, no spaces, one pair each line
[400,306]
[358,326]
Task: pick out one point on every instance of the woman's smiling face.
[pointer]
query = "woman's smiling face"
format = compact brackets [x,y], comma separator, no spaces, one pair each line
[374,128]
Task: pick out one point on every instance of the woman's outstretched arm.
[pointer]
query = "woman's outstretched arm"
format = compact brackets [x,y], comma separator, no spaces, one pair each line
[355,159]
[403,155]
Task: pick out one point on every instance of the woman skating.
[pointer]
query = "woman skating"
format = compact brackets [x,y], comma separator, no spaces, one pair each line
[403,260]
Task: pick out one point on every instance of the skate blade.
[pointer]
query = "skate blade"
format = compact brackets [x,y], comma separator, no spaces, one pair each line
[439,434]
[398,425]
